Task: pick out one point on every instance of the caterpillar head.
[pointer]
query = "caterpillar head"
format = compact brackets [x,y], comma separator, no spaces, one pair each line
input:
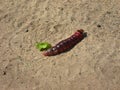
[80,31]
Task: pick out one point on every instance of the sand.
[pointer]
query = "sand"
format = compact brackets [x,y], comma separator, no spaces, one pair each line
[93,64]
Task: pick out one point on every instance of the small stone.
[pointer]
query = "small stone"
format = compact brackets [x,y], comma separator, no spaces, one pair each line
[4,72]
[26,30]
[98,26]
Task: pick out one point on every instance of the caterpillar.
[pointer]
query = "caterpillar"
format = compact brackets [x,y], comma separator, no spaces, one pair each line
[66,44]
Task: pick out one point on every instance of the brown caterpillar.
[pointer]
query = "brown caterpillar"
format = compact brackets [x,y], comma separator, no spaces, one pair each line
[66,44]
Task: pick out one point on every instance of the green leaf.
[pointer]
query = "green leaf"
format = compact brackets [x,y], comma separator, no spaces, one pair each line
[43,46]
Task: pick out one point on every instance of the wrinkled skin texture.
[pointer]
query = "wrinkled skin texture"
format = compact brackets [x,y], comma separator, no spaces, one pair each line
[66,44]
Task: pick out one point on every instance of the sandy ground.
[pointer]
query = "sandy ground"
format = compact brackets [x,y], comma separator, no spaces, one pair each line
[93,64]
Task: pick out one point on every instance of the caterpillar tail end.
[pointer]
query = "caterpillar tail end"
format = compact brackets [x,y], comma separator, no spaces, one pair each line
[45,54]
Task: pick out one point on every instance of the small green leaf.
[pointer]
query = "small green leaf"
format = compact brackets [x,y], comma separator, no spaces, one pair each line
[43,46]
